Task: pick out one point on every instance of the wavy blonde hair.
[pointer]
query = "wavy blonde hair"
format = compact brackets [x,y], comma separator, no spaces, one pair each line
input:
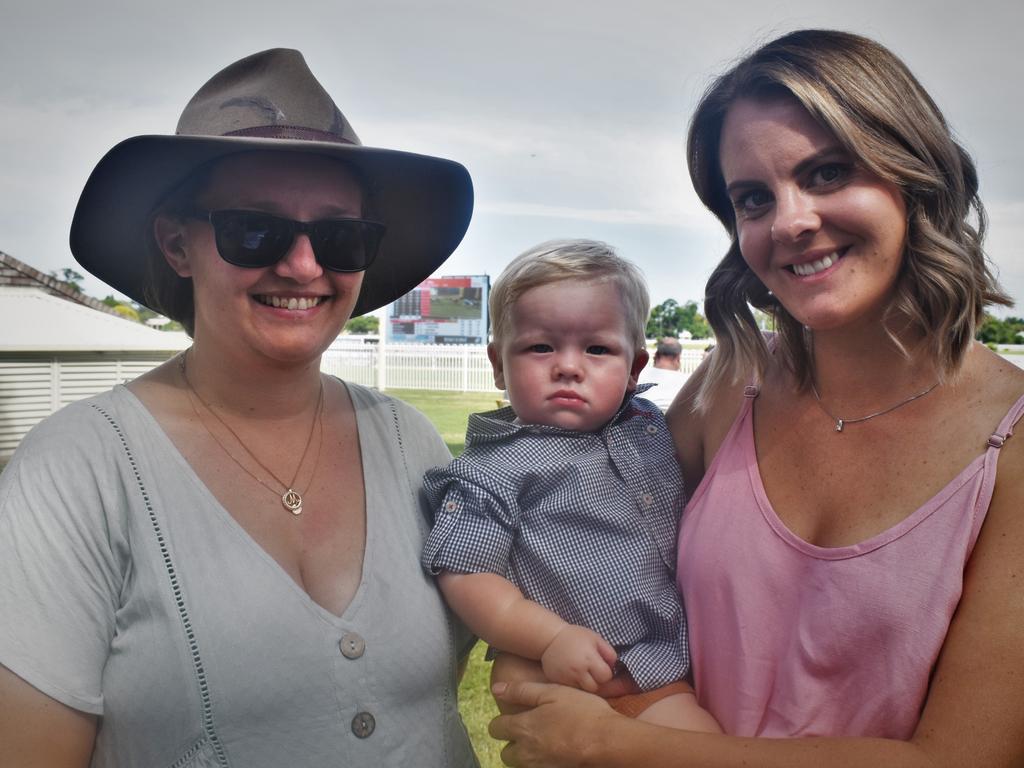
[880,113]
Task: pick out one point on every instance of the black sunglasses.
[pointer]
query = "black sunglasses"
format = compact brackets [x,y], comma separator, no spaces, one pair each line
[254,239]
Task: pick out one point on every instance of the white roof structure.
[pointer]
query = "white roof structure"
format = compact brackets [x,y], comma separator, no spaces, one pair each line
[31,320]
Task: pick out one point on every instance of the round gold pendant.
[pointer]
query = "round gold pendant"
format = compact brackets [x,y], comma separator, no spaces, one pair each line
[292,501]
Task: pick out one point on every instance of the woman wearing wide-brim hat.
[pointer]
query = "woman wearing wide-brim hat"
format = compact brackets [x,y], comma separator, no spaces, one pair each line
[217,564]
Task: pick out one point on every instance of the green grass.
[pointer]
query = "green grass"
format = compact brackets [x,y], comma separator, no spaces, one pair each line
[478,708]
[448,411]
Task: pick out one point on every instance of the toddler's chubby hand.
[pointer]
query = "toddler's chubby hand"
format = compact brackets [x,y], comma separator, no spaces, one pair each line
[578,657]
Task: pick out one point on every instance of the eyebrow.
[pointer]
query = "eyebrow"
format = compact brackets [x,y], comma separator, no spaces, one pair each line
[834,150]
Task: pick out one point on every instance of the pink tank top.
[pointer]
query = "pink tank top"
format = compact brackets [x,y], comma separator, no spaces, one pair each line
[791,639]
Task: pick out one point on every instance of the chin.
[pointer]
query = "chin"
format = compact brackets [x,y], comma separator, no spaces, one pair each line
[576,425]
[297,351]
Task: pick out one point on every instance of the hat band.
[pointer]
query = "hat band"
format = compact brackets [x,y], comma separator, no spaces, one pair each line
[289,132]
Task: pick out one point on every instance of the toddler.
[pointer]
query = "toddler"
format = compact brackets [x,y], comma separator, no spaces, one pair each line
[555,532]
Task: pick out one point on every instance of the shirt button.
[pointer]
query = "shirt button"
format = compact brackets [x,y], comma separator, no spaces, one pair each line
[651,429]
[647,499]
[363,725]
[450,506]
[352,645]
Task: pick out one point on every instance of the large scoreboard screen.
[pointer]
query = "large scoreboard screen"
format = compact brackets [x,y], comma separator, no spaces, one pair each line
[442,310]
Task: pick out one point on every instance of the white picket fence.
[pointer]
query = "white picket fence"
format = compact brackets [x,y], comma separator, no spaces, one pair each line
[453,368]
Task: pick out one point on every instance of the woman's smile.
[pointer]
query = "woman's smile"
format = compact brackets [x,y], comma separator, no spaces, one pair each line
[817,265]
[290,303]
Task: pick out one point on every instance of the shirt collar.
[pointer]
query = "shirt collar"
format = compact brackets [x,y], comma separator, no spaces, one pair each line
[501,423]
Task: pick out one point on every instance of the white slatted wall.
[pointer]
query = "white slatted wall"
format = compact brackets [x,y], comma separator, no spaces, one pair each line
[32,386]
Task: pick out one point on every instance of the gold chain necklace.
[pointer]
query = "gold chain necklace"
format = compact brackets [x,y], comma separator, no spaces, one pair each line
[840,423]
[291,499]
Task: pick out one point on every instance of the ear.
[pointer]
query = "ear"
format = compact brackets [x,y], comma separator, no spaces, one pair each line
[639,363]
[172,238]
[494,355]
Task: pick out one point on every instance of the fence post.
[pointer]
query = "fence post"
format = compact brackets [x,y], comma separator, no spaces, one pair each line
[382,365]
[465,368]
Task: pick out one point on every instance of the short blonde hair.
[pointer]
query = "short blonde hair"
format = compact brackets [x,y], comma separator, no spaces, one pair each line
[868,99]
[556,260]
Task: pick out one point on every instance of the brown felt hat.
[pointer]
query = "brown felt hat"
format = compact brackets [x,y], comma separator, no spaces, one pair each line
[270,101]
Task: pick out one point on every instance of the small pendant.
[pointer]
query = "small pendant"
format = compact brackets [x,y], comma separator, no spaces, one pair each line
[839,425]
[292,501]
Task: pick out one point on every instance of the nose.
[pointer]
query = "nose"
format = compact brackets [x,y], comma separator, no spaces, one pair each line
[567,366]
[795,216]
[300,262]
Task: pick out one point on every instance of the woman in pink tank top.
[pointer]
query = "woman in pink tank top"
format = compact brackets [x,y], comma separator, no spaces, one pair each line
[850,557]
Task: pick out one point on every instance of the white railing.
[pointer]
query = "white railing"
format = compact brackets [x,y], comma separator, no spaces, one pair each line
[453,368]
[449,367]
[689,359]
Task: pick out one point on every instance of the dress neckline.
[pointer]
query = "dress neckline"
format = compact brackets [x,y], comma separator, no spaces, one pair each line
[167,446]
[743,430]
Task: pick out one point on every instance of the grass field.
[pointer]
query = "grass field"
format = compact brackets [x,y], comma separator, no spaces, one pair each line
[478,709]
[448,412]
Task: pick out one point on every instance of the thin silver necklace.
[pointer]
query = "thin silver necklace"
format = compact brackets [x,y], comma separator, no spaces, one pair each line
[840,423]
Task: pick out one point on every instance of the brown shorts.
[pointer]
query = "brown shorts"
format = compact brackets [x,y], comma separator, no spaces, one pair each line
[632,704]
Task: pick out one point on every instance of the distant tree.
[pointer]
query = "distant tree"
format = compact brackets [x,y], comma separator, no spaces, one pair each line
[1006,331]
[71,277]
[363,325]
[144,313]
[670,319]
[126,312]
[140,314]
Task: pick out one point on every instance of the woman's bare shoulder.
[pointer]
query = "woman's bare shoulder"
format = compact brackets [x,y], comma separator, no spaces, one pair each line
[997,372]
[992,382]
[699,426]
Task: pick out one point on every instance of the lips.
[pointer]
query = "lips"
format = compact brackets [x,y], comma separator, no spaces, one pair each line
[290,302]
[566,396]
[808,268]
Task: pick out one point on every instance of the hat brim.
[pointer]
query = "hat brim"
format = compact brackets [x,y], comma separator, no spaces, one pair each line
[426,203]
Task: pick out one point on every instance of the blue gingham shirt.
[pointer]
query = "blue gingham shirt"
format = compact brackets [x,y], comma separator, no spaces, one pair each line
[584,523]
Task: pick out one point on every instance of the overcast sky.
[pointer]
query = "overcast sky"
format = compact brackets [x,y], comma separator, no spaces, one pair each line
[569,115]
